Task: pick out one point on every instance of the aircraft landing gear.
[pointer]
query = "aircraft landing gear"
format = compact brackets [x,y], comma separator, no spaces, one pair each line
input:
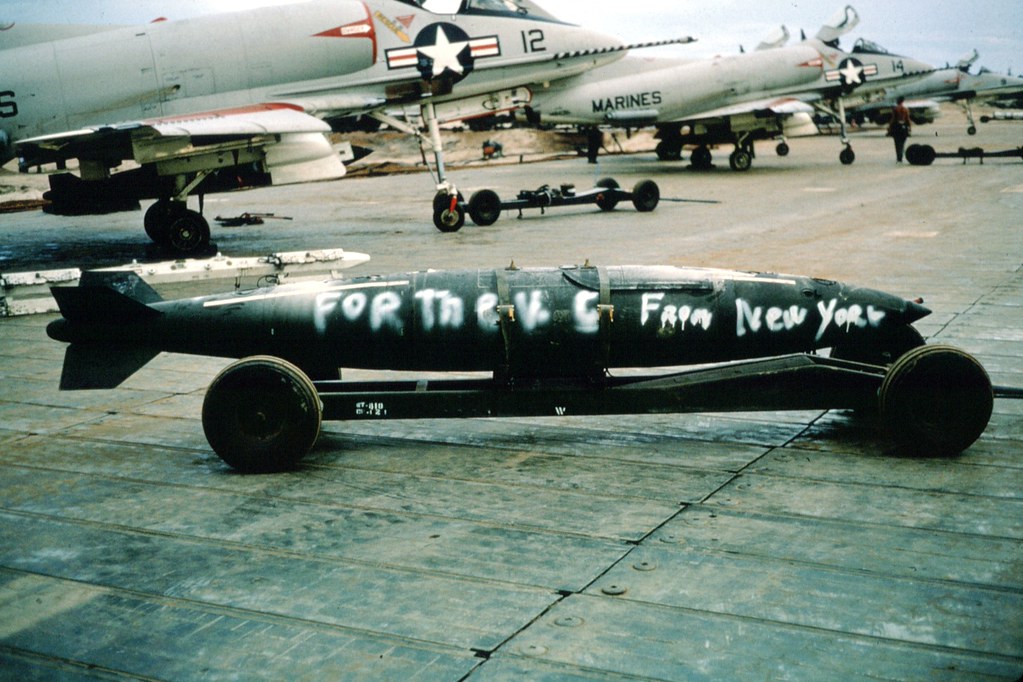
[171,224]
[968,108]
[847,155]
[782,149]
[742,158]
[448,210]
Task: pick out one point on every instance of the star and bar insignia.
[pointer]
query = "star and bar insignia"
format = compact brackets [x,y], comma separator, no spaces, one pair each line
[441,49]
[851,73]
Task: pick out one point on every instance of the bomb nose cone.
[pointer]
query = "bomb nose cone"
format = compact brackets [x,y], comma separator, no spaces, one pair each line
[915,311]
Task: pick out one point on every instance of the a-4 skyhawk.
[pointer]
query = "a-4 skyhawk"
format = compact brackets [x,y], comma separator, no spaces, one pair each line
[951,84]
[245,99]
[734,99]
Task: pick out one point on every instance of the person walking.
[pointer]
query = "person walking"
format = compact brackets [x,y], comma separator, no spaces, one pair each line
[899,128]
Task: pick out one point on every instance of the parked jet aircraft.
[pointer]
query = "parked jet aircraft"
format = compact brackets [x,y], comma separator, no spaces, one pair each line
[952,84]
[242,99]
[732,99]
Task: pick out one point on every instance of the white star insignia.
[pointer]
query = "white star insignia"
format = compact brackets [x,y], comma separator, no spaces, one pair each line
[852,73]
[444,54]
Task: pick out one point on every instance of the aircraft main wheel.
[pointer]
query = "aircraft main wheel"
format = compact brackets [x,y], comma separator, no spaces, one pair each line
[920,154]
[782,149]
[261,414]
[158,219]
[847,156]
[935,401]
[646,195]
[188,233]
[485,207]
[607,201]
[448,218]
[972,130]
[740,160]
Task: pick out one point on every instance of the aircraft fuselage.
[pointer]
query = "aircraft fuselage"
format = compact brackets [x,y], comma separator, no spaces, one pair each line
[644,90]
[338,55]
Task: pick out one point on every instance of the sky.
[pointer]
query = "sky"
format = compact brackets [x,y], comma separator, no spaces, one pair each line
[935,31]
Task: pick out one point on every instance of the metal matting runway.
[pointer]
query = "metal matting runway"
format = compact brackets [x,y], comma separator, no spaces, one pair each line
[707,546]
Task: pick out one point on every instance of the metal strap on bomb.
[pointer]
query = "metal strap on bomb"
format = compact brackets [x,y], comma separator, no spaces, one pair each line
[606,317]
[505,313]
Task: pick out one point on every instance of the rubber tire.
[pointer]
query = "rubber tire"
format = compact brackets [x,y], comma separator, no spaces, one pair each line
[485,207]
[920,154]
[740,160]
[607,202]
[666,151]
[444,219]
[157,220]
[702,158]
[646,195]
[261,414]
[188,233]
[847,156]
[782,149]
[935,401]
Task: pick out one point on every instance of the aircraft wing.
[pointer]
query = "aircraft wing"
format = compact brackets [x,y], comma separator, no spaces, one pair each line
[279,134]
[136,136]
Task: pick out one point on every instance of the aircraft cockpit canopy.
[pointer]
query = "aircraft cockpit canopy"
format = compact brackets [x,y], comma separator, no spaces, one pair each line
[515,8]
[864,46]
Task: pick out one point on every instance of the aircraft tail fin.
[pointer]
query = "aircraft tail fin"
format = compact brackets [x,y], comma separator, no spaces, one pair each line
[101,365]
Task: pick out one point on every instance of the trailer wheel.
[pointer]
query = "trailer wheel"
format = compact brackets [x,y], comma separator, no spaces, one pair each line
[935,401]
[920,154]
[261,414]
[446,218]
[645,196]
[608,200]
[485,207]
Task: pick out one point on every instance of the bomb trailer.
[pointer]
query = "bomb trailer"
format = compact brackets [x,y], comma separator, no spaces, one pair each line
[549,339]
[485,206]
